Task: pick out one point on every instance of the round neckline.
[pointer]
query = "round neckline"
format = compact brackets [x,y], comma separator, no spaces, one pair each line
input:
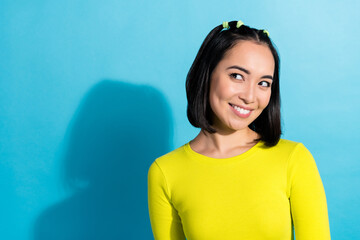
[205,158]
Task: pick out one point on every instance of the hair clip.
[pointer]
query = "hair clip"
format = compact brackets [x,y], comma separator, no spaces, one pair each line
[226,25]
[239,24]
[266,32]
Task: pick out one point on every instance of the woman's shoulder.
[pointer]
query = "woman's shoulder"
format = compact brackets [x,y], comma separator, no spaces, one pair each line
[172,157]
[287,147]
[286,143]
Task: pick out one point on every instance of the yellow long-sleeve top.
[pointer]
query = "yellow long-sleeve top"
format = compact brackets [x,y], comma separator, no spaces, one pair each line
[260,194]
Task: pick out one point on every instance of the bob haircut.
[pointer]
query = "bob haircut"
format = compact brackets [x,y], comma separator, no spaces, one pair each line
[216,44]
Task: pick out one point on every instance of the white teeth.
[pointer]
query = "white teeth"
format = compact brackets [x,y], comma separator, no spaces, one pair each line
[241,110]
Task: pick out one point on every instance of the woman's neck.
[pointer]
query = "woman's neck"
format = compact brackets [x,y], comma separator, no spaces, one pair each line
[224,143]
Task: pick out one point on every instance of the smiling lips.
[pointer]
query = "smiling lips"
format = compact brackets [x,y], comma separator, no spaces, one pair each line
[240,111]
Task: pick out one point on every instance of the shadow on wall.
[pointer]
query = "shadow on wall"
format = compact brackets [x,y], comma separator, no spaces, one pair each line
[115,135]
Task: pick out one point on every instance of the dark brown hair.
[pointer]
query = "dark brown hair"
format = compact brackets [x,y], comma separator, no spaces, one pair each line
[211,52]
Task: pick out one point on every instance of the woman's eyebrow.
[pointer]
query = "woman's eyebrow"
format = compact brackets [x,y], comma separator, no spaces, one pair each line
[247,71]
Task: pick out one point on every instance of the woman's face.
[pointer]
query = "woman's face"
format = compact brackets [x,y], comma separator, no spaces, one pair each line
[240,86]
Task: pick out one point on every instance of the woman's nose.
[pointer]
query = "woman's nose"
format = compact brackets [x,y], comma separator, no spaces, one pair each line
[248,94]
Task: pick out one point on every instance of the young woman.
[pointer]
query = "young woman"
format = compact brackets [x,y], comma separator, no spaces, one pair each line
[237,179]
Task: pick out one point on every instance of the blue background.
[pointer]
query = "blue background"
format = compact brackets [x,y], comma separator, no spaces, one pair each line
[92,91]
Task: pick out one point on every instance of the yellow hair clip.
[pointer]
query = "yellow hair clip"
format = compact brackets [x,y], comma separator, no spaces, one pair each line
[266,32]
[239,24]
[226,25]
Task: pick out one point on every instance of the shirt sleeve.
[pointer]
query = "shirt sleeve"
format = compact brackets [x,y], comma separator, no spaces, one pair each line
[307,197]
[165,221]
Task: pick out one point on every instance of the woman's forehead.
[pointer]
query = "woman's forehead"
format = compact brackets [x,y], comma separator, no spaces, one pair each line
[249,54]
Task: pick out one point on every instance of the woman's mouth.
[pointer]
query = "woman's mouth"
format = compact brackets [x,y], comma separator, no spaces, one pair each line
[239,111]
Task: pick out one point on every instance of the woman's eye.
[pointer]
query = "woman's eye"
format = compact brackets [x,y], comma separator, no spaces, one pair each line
[264,84]
[236,76]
